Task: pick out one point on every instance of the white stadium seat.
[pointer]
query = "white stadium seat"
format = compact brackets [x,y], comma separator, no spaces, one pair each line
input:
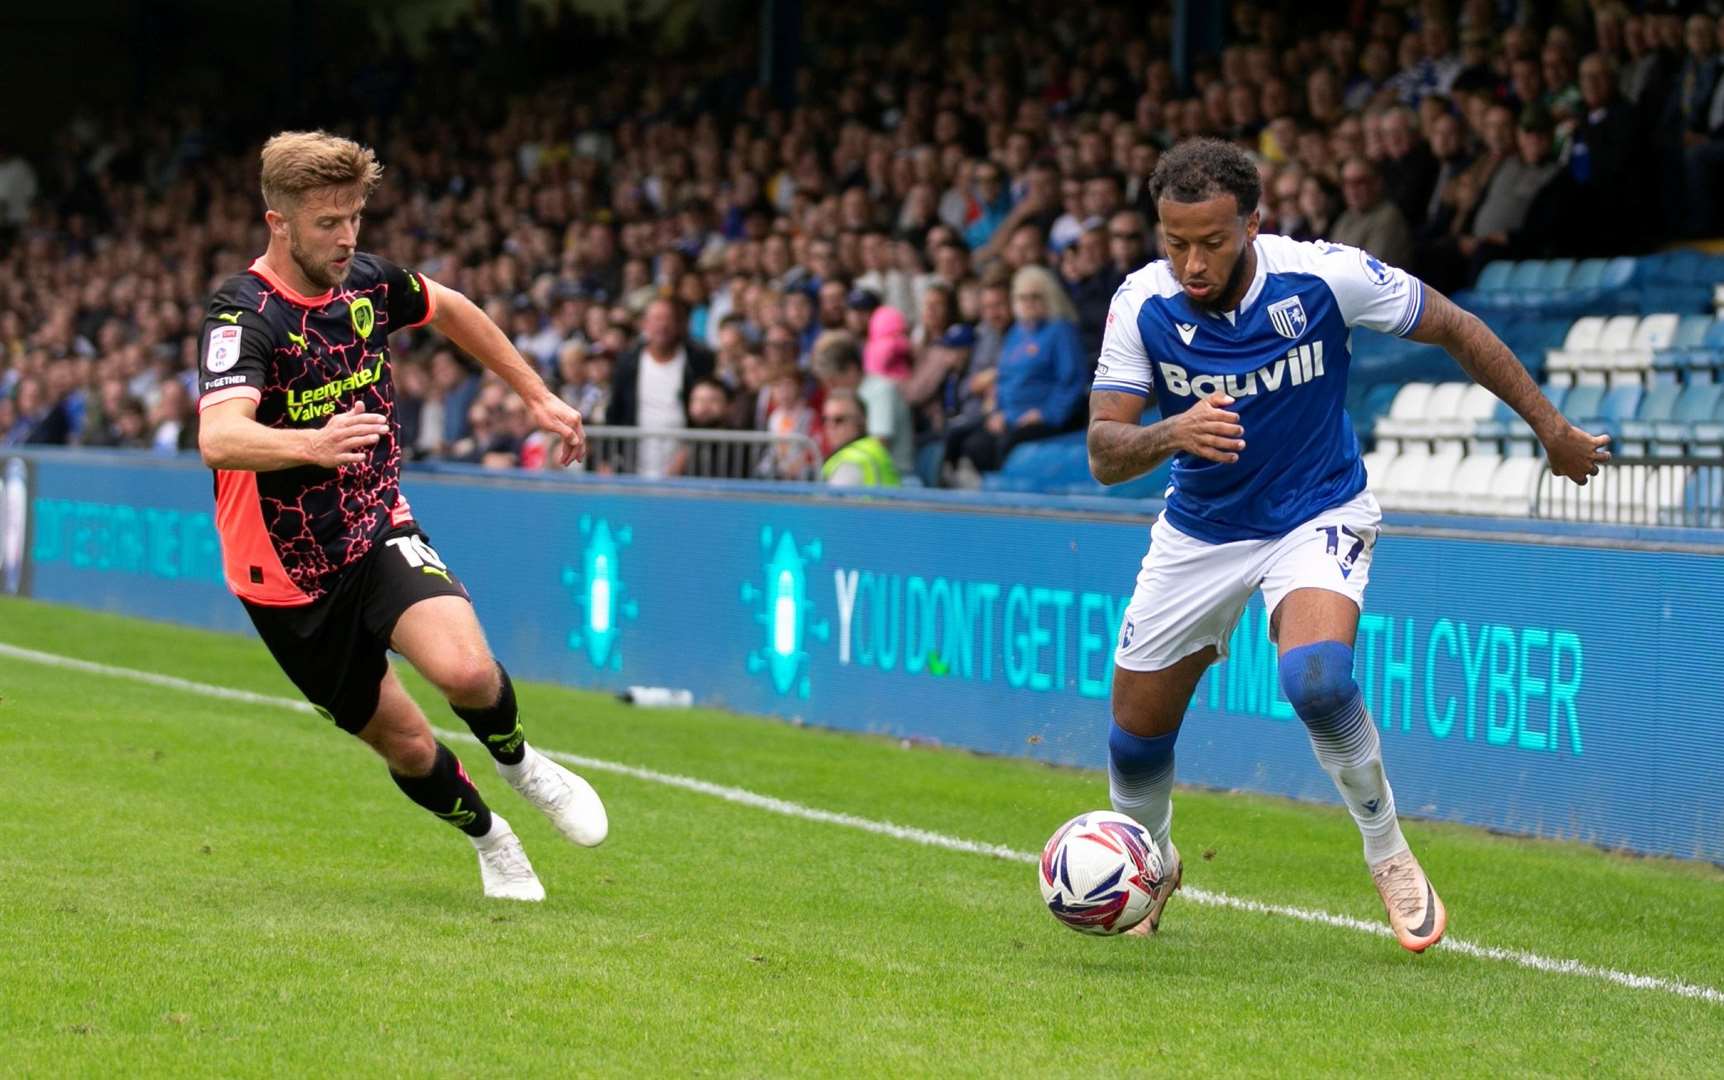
[1513,486]
[1578,361]
[1470,488]
[1377,464]
[1634,363]
[1431,485]
[1477,405]
[1436,410]
[1560,364]
[1407,408]
[1395,492]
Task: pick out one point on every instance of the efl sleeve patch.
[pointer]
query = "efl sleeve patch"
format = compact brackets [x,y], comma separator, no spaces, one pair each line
[223,349]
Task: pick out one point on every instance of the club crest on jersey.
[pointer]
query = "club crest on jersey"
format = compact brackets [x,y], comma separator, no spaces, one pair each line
[1288,317]
[365,316]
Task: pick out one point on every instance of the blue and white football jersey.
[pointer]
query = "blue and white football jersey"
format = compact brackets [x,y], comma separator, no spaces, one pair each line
[1283,357]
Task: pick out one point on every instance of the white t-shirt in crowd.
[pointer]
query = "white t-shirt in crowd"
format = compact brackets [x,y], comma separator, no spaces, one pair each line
[658,388]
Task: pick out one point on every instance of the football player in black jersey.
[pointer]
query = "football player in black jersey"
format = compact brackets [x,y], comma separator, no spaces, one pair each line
[297,420]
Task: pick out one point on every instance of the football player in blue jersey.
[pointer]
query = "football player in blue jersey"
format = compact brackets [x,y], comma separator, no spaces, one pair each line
[1241,340]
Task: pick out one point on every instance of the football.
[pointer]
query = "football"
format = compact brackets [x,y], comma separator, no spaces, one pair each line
[1099,871]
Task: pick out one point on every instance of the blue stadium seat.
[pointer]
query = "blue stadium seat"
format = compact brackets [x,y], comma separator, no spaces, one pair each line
[1697,403]
[1658,406]
[1526,276]
[1691,331]
[1049,464]
[1618,272]
[1494,277]
[1588,274]
[1583,402]
[1622,403]
[1555,275]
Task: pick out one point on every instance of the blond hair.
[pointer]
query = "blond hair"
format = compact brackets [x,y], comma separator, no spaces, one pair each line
[1040,279]
[295,162]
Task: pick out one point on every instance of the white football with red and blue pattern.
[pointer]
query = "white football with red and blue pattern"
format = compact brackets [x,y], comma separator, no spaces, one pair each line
[1099,871]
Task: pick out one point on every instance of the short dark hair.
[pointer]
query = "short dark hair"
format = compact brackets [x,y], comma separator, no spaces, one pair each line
[1197,170]
[716,384]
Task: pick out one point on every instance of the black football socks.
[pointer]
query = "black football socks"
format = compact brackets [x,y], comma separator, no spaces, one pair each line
[498,726]
[447,792]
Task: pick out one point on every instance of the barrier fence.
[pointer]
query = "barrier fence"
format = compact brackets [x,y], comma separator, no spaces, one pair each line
[702,453]
[1534,681]
[1687,492]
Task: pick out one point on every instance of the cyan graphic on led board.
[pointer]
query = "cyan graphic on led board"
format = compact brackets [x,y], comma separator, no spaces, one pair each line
[783,608]
[600,594]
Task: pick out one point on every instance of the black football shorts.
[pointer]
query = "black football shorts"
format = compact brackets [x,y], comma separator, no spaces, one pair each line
[335,649]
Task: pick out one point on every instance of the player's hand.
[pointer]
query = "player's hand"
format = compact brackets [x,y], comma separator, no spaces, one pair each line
[348,437]
[551,413]
[1575,454]
[1207,430]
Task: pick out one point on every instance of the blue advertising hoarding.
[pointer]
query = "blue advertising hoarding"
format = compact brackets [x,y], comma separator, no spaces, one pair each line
[1537,684]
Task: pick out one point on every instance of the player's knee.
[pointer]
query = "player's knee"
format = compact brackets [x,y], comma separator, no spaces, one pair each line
[410,750]
[1131,755]
[469,680]
[1318,679]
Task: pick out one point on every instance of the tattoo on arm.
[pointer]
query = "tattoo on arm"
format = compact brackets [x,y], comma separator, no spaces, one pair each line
[1483,356]
[1120,448]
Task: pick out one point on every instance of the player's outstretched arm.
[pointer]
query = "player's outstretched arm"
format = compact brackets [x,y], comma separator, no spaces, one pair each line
[1573,453]
[1121,448]
[462,322]
[229,437]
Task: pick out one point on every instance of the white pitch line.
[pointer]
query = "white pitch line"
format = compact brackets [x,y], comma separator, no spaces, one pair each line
[925,837]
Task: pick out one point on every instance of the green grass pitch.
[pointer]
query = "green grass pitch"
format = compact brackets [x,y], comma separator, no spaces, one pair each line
[190,886]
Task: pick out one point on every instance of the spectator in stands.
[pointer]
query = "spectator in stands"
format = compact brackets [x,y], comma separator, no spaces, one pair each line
[1703,157]
[710,408]
[17,189]
[443,416]
[838,365]
[1371,221]
[989,204]
[888,352]
[791,416]
[1685,119]
[1528,197]
[1605,154]
[1409,168]
[1127,242]
[1090,281]
[988,340]
[1042,378]
[1647,69]
[858,458]
[651,384]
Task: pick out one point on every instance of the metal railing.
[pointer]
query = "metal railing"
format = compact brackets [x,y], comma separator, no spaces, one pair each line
[731,455]
[1687,492]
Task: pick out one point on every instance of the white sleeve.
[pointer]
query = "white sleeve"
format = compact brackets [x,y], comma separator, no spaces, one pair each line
[1124,363]
[1372,293]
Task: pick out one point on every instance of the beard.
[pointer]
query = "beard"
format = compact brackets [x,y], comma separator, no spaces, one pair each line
[321,274]
[1220,302]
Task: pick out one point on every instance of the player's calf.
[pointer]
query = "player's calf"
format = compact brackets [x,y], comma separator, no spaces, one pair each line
[448,792]
[497,725]
[1318,682]
[1140,780]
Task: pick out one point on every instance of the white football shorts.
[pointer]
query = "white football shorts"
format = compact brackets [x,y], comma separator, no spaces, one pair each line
[1190,594]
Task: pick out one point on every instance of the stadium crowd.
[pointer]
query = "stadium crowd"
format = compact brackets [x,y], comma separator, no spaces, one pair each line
[928,236]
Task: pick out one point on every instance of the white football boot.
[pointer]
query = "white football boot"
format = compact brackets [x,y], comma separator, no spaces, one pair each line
[1170,882]
[570,802]
[1415,910]
[503,864]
